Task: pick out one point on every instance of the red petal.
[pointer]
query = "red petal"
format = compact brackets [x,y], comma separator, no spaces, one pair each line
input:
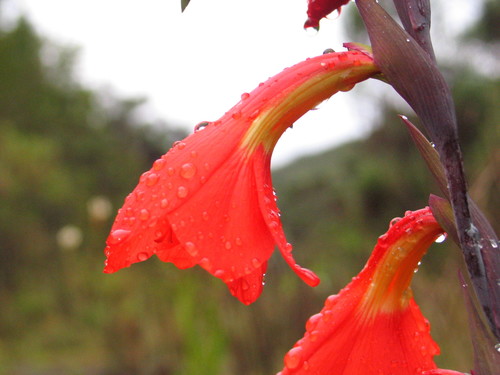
[270,212]
[221,225]
[248,288]
[318,9]
[360,331]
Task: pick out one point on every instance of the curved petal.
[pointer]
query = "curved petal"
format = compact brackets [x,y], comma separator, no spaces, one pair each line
[373,326]
[221,225]
[209,200]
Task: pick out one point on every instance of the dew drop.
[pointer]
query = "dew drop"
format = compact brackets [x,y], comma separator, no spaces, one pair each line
[238,241]
[205,263]
[182,192]
[343,57]
[144,214]
[313,321]
[236,115]
[331,301]
[139,195]
[245,285]
[164,203]
[200,126]
[142,257]
[254,114]
[293,359]
[118,236]
[255,262]
[152,179]
[205,215]
[181,145]
[228,245]
[158,164]
[494,243]
[188,170]
[394,221]
[170,171]
[219,273]
[441,238]
[191,249]
[160,236]
[497,347]
[245,96]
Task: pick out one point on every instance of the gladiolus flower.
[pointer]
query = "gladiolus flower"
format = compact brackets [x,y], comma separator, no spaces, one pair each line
[373,326]
[209,200]
[318,9]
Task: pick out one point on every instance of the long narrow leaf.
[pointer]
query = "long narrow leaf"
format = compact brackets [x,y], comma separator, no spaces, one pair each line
[429,154]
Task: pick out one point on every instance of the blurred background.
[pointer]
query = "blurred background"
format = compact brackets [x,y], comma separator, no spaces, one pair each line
[70,153]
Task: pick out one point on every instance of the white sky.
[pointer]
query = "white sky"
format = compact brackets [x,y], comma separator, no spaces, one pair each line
[193,66]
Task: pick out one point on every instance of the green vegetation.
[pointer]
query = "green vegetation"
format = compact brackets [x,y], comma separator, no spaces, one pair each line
[65,157]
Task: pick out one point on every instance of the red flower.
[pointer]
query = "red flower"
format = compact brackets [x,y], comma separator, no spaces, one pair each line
[318,9]
[373,326]
[210,201]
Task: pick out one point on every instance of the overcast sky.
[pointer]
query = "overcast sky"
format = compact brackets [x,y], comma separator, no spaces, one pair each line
[193,66]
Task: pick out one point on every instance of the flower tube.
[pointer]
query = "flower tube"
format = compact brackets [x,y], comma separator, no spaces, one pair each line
[373,326]
[209,201]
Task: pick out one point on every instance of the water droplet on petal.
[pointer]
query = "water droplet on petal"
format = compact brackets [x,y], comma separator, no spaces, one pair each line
[188,170]
[201,125]
[158,164]
[144,214]
[191,249]
[164,203]
[255,262]
[394,221]
[117,236]
[219,273]
[170,171]
[205,215]
[313,321]
[441,238]
[236,115]
[182,192]
[142,257]
[293,359]
[152,179]
[228,245]
[205,263]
